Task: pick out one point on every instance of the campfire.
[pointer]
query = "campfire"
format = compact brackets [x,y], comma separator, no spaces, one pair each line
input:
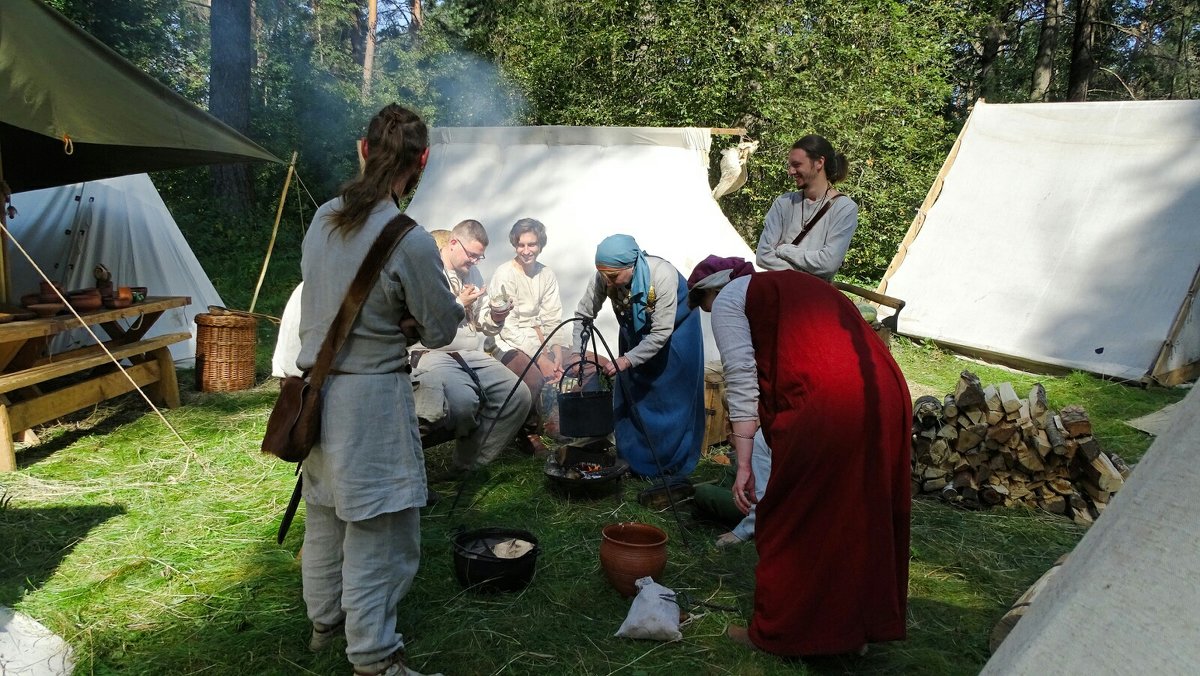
[985,446]
[586,467]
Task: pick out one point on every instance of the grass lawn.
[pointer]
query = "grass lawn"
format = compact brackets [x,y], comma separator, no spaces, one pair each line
[152,557]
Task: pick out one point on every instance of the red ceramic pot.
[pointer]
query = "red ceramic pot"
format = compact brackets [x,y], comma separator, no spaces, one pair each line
[629,551]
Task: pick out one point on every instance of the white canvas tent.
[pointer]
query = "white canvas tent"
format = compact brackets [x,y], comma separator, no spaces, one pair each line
[584,183]
[1125,600]
[1063,234]
[124,224]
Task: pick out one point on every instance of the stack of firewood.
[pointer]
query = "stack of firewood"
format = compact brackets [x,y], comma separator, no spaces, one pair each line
[985,446]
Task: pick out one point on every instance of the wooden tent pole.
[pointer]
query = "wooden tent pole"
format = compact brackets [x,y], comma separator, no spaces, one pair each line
[4,272]
[1158,371]
[275,230]
[930,198]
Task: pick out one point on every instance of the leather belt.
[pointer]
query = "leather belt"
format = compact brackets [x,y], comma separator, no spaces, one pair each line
[407,368]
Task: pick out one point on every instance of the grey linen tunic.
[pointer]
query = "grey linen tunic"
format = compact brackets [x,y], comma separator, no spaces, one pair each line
[369,459]
[822,250]
[731,332]
[664,279]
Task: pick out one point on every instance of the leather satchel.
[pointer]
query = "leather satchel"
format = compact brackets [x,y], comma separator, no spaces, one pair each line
[294,425]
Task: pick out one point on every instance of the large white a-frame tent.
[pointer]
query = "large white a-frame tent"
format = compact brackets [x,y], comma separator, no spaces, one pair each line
[584,183]
[1063,234]
[119,222]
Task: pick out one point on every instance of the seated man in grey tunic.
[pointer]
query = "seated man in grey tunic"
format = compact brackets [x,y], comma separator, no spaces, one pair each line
[461,388]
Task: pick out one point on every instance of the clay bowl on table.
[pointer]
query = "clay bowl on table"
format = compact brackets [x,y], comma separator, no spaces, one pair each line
[47,309]
[86,303]
[31,299]
[116,303]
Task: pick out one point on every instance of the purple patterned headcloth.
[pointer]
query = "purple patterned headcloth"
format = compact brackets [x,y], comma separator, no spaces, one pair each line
[715,272]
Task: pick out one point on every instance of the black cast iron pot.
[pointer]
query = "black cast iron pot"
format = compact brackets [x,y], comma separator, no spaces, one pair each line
[478,569]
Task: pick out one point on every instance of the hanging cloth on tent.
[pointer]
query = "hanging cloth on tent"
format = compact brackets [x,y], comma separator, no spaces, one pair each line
[734,161]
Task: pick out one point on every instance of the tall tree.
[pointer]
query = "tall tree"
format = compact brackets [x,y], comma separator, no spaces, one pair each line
[369,51]
[1083,64]
[229,95]
[1043,63]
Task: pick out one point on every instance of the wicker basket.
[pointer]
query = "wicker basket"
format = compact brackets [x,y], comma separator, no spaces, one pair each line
[225,346]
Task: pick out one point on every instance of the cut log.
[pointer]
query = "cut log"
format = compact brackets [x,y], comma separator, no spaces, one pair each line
[1029,459]
[1061,486]
[968,392]
[1076,421]
[948,432]
[1121,465]
[933,485]
[994,417]
[1001,433]
[1105,474]
[1093,491]
[1082,517]
[1008,398]
[970,437]
[991,398]
[965,479]
[1041,443]
[933,473]
[1089,447]
[939,451]
[1055,504]
[975,416]
[991,495]
[1056,435]
[1038,406]
[927,411]
[949,407]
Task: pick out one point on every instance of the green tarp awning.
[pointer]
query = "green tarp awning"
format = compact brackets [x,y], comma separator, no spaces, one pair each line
[57,81]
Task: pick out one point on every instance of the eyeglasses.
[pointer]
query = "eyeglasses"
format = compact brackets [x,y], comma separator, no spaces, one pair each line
[473,257]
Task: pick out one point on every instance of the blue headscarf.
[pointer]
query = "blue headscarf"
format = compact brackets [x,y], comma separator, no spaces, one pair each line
[622,251]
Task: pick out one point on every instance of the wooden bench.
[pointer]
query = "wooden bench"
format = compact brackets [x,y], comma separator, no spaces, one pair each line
[23,404]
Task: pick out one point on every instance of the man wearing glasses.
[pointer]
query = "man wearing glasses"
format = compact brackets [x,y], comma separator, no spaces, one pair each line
[460,386]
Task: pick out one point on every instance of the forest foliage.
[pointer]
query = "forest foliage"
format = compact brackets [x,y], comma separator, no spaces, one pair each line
[889,82]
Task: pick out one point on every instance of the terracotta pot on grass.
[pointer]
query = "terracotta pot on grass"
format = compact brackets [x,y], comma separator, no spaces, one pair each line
[629,551]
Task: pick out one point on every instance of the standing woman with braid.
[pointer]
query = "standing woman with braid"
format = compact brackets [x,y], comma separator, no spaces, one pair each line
[810,229]
[365,478]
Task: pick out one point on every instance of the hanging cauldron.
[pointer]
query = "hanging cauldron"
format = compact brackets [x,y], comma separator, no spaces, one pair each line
[587,412]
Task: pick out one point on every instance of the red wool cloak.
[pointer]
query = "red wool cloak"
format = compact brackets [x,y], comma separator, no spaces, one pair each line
[833,528]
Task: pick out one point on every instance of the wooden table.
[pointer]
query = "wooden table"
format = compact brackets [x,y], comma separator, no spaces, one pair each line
[29,393]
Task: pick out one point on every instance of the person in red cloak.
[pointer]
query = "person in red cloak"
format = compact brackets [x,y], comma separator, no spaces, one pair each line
[833,526]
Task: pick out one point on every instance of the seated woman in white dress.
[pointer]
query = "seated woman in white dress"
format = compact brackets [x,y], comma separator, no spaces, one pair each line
[537,310]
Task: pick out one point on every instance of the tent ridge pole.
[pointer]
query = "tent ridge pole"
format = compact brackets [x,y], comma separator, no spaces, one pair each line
[935,190]
[275,229]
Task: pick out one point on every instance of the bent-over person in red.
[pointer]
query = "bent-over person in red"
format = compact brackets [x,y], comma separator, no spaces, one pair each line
[833,526]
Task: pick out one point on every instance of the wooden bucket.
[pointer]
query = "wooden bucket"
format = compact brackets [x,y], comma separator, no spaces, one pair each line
[225,347]
[716,413]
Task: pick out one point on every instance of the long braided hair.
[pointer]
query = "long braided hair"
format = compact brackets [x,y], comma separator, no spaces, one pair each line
[396,138]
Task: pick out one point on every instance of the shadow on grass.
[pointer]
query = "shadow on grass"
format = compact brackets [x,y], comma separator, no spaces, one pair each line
[37,539]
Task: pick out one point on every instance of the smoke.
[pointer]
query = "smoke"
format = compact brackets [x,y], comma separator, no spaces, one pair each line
[467,91]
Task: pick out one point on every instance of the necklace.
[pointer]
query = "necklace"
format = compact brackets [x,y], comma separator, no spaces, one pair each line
[816,208]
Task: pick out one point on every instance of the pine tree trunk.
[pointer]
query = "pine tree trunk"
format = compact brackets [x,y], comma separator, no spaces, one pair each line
[993,34]
[369,50]
[1043,64]
[229,95]
[1083,64]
